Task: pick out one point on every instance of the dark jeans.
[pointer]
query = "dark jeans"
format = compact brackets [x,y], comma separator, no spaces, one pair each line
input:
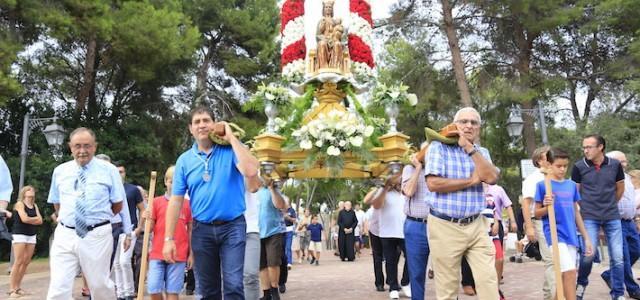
[376,251]
[116,230]
[284,270]
[346,242]
[631,253]
[467,275]
[288,239]
[137,260]
[190,279]
[391,247]
[219,258]
[417,246]
[613,232]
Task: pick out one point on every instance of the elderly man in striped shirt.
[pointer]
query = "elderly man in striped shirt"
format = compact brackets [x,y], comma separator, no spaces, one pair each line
[454,176]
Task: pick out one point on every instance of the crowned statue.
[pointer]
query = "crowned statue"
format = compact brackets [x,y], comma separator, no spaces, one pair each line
[330,53]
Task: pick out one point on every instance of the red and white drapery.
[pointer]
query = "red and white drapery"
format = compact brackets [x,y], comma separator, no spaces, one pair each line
[293,51]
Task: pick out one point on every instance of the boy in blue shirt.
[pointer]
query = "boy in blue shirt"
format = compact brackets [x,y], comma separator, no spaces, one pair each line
[564,199]
[315,246]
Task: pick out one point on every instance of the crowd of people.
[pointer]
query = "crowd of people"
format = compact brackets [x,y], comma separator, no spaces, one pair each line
[232,233]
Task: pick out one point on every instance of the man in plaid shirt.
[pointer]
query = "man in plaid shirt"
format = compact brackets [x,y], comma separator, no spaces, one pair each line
[454,175]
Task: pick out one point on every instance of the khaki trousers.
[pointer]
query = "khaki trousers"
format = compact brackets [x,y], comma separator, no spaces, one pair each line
[549,286]
[449,242]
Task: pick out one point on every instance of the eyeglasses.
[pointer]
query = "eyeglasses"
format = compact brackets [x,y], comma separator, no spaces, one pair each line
[80,146]
[468,121]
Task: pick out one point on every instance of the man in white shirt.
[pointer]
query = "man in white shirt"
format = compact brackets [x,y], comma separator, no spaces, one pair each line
[533,227]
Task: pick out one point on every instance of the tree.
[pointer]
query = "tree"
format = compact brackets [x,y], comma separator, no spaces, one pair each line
[236,49]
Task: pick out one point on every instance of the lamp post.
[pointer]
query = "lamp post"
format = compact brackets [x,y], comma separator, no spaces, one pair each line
[55,137]
[515,123]
[53,132]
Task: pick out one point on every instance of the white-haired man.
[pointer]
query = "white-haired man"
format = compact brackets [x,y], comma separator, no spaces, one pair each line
[454,175]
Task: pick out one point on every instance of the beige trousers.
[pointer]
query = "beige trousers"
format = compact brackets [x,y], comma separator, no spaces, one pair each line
[449,242]
[549,286]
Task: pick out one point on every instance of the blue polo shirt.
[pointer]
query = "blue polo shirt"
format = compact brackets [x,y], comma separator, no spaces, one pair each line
[270,218]
[219,199]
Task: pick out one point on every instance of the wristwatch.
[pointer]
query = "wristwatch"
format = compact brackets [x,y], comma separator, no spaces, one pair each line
[474,151]
[166,239]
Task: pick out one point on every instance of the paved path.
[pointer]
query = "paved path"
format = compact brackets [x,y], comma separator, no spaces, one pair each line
[334,279]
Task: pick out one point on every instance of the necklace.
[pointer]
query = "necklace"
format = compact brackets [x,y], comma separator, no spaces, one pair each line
[205,176]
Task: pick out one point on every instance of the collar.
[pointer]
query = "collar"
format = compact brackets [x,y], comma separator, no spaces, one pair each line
[198,151]
[88,165]
[590,163]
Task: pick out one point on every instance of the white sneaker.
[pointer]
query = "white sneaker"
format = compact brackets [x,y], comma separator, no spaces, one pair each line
[406,291]
[394,295]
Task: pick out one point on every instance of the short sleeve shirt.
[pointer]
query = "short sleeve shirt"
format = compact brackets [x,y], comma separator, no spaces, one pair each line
[566,194]
[416,206]
[450,161]
[529,186]
[6,186]
[133,198]
[270,218]
[221,197]
[181,236]
[103,188]
[500,198]
[598,188]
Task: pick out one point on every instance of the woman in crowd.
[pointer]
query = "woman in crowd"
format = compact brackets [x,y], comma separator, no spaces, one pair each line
[26,218]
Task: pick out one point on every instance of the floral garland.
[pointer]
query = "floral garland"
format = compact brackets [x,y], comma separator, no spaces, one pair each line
[293,50]
[359,39]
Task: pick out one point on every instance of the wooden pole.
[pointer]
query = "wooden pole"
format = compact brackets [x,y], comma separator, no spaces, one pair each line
[147,234]
[551,212]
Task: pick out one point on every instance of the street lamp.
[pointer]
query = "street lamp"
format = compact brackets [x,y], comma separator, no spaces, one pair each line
[53,132]
[515,124]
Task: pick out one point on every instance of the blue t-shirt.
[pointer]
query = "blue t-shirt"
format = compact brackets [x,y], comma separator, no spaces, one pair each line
[221,198]
[316,232]
[270,219]
[566,194]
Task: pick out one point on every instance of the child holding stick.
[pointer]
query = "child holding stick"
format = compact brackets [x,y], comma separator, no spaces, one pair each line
[564,199]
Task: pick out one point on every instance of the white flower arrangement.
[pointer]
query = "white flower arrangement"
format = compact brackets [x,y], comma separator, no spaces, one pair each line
[362,72]
[274,94]
[333,133]
[294,71]
[384,95]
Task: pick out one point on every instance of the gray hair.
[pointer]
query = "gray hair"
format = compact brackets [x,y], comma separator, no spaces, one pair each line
[467,109]
[82,129]
[615,154]
[103,157]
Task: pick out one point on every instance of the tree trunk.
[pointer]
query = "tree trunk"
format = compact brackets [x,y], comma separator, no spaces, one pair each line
[524,41]
[456,56]
[88,81]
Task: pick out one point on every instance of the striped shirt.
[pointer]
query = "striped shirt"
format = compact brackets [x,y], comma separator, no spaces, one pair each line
[416,206]
[451,161]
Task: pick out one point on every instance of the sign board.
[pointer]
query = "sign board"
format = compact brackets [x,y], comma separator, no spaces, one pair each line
[526,167]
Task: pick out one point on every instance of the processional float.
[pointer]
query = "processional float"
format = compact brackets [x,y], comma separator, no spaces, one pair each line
[327,132]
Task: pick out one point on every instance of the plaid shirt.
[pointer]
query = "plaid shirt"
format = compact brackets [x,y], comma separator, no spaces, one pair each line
[450,161]
[416,206]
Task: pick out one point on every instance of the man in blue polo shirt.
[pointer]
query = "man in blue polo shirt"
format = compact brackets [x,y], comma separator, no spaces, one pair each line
[600,181]
[454,175]
[214,176]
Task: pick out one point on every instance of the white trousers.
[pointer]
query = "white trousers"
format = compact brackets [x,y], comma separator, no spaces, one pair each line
[122,268]
[91,254]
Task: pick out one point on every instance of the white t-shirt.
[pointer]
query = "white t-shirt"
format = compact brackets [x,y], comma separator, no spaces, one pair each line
[360,216]
[373,219]
[392,216]
[252,202]
[529,187]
